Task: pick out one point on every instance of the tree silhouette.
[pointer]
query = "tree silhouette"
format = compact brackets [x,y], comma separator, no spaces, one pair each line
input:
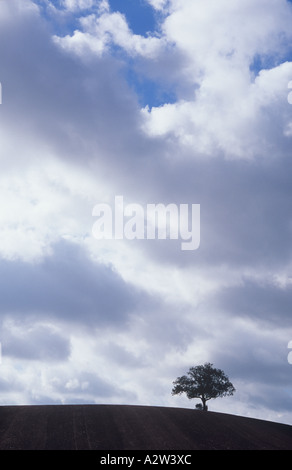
[204,382]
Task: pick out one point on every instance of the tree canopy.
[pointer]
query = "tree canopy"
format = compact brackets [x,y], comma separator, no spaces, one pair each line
[204,382]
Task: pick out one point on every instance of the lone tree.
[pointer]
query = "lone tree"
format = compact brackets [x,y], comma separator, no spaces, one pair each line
[204,382]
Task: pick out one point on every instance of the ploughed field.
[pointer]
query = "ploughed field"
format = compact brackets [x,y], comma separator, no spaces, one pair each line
[123,427]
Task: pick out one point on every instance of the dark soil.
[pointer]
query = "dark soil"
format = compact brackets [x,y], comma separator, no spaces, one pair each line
[122,427]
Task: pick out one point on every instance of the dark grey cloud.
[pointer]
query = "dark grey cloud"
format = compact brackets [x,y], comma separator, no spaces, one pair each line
[263,301]
[245,211]
[67,286]
[120,355]
[72,105]
[273,397]
[34,342]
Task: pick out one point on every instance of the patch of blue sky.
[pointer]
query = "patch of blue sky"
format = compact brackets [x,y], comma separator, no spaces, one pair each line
[141,17]
[269,61]
[150,92]
[261,62]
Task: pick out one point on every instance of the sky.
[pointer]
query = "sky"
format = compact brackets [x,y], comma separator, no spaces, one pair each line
[157,102]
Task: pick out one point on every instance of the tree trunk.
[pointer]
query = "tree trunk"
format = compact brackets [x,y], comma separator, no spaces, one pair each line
[205,408]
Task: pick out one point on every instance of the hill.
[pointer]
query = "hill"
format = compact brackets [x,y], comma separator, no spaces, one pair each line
[123,427]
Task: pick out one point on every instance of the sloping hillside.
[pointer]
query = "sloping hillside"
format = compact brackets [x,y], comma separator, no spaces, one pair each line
[121,427]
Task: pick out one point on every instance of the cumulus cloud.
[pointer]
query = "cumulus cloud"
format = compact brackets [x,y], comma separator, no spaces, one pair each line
[100,32]
[228,111]
[73,5]
[158,4]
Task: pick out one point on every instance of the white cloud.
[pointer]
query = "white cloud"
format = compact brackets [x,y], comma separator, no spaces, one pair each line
[74,5]
[100,32]
[228,110]
[228,114]
[209,29]
[158,4]
[44,205]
